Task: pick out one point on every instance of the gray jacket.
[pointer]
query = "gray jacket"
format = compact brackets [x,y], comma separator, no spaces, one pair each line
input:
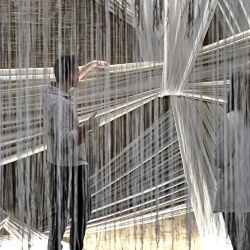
[61,125]
[233,162]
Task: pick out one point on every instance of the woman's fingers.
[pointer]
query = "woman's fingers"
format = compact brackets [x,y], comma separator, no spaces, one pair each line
[93,122]
[101,64]
[97,121]
[93,115]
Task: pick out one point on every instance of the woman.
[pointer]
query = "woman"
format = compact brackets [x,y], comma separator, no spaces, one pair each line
[66,155]
[233,161]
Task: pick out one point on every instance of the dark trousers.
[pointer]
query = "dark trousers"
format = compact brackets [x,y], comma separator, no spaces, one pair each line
[68,184]
[238,229]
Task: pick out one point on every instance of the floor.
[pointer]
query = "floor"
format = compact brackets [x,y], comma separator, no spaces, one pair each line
[172,234]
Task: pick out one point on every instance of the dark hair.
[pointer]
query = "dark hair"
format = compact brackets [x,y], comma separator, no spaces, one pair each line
[239,98]
[64,67]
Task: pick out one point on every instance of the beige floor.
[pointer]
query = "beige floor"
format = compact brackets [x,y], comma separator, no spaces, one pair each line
[172,235]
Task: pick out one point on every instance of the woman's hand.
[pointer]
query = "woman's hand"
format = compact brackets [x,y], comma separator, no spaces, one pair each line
[85,69]
[92,123]
[99,64]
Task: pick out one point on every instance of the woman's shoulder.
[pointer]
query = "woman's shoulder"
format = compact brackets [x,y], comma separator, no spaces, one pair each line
[227,121]
[232,120]
[232,116]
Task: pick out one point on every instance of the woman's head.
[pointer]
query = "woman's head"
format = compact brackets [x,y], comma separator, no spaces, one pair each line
[66,71]
[239,98]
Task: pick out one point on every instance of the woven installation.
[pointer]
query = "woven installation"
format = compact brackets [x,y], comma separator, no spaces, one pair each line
[172,102]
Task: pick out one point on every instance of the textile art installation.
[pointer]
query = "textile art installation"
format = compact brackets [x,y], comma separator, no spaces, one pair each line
[169,164]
